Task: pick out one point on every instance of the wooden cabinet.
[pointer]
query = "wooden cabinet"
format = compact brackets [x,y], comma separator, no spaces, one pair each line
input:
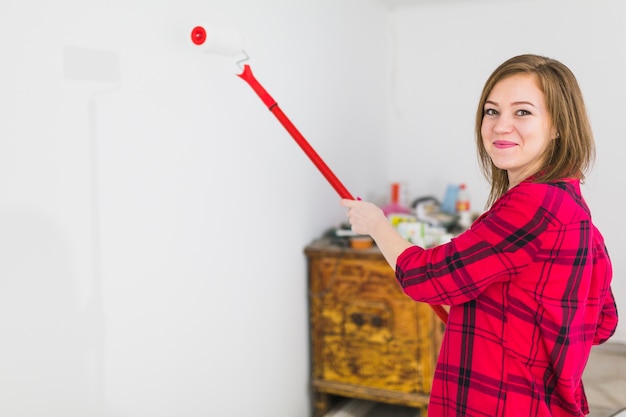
[368,339]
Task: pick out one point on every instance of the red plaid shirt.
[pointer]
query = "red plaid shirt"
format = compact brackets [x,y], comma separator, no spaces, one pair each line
[529,293]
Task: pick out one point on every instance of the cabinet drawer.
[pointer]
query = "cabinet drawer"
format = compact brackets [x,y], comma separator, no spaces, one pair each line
[365,331]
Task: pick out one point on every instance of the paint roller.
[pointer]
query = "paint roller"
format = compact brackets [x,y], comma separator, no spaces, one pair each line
[226,42]
[221,41]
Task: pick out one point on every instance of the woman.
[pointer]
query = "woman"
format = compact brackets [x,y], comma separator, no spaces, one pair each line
[528,284]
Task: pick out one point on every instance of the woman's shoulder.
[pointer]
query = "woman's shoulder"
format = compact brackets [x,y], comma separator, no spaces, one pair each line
[567,185]
[561,197]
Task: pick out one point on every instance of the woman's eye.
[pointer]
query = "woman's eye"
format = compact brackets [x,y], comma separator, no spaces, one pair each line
[522,112]
[490,112]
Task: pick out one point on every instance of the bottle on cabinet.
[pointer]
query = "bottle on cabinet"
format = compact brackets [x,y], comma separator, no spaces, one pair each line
[395,205]
[463,207]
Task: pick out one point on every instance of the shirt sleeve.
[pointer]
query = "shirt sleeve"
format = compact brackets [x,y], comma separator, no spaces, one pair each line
[607,322]
[498,246]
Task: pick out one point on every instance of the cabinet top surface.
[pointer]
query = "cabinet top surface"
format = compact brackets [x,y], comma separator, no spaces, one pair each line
[328,247]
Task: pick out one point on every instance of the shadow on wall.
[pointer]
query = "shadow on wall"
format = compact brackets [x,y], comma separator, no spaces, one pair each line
[46,341]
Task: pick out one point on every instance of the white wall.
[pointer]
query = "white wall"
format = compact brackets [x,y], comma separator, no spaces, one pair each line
[442,53]
[153,213]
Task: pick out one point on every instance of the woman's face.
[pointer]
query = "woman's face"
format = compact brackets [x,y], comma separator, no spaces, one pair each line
[516,126]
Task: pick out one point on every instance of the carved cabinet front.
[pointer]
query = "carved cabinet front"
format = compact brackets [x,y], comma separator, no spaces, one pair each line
[368,339]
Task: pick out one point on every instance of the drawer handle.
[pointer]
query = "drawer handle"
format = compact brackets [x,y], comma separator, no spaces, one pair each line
[359,320]
[377,322]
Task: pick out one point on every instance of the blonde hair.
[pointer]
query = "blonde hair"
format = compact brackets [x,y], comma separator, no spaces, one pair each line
[573,152]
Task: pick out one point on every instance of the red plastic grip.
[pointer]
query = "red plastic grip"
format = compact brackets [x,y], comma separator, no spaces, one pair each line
[256,86]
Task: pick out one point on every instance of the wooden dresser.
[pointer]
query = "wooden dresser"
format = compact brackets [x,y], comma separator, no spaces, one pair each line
[368,339]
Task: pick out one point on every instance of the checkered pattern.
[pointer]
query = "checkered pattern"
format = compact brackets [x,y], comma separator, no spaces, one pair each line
[529,290]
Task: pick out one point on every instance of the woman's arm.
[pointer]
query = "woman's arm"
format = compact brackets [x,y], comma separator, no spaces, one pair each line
[367,219]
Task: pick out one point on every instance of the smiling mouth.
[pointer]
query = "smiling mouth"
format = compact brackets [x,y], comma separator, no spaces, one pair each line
[500,144]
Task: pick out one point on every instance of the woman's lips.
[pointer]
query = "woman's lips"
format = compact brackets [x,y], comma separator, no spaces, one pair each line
[503,144]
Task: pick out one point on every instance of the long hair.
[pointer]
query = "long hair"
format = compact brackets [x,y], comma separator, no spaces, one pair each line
[568,156]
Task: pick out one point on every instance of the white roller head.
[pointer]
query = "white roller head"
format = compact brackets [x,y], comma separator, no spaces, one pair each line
[216,40]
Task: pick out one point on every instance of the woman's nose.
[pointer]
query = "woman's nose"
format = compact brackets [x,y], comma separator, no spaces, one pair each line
[503,124]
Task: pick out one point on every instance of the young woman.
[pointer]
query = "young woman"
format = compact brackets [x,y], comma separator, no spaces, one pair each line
[528,284]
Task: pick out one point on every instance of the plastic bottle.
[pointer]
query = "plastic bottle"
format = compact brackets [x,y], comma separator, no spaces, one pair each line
[463,207]
[395,206]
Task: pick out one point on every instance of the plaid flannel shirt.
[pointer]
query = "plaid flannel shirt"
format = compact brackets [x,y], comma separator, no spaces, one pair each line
[529,292]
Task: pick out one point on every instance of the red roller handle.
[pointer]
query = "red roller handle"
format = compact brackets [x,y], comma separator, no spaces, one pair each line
[271,104]
[300,140]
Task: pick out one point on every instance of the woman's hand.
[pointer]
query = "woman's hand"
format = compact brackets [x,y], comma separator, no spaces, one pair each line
[367,219]
[364,217]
